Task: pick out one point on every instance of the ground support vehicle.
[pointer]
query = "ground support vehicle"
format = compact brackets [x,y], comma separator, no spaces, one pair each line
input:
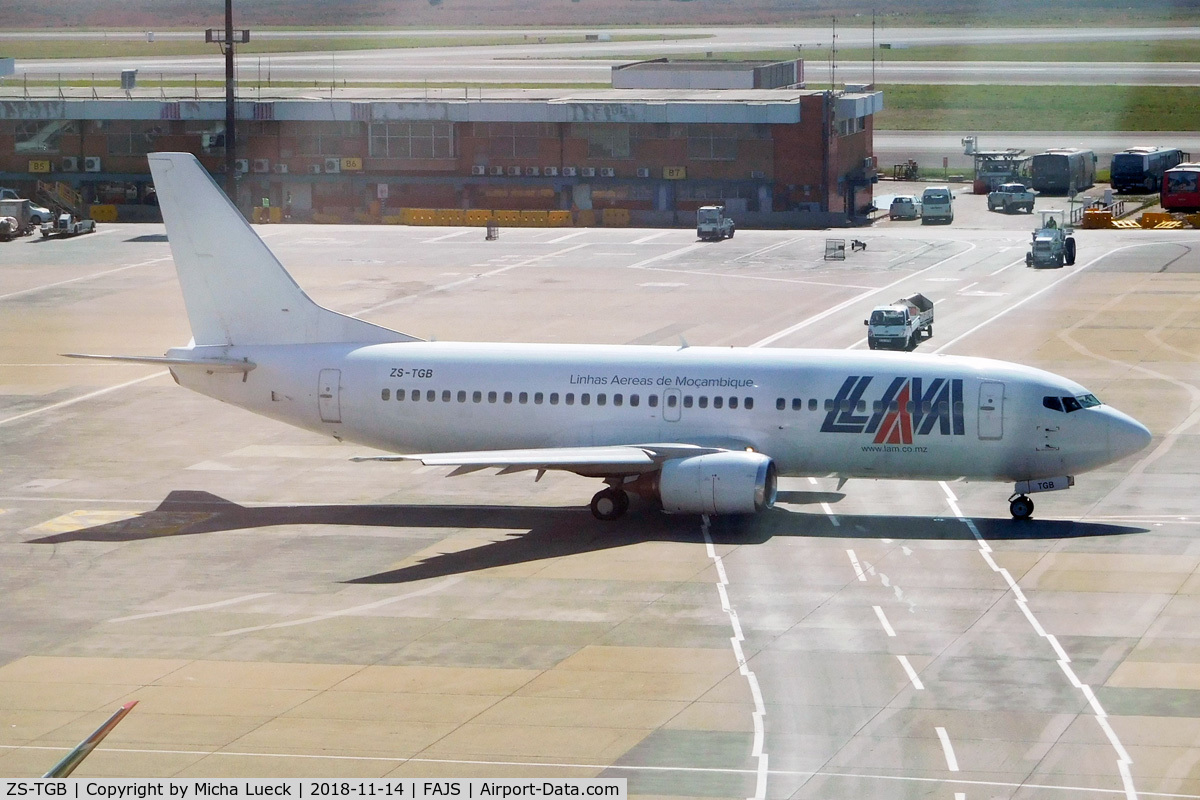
[900,325]
[1010,197]
[1052,245]
[66,226]
[38,215]
[16,214]
[937,205]
[712,224]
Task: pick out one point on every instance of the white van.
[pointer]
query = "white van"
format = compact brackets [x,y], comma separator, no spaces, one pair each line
[937,205]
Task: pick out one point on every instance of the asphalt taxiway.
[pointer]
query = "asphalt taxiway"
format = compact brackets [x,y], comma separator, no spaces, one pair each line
[279,610]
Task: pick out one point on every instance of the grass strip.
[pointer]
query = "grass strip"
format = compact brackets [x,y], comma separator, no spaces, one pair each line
[1039,108]
[126,48]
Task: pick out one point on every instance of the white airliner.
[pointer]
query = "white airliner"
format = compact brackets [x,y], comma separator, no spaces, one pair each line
[696,429]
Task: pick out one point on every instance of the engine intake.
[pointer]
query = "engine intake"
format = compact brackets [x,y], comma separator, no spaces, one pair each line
[718,483]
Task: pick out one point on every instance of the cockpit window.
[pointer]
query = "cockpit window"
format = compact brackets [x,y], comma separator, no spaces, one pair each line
[1069,404]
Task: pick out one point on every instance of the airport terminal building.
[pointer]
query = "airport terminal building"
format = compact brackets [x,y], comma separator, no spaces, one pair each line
[779,157]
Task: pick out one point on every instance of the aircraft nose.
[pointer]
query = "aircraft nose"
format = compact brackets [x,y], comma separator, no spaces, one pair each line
[1126,435]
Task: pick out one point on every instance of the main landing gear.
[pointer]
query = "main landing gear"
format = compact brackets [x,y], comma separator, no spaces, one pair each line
[1020,506]
[609,504]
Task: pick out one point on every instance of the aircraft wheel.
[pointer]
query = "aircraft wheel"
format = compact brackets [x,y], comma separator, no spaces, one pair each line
[1070,244]
[609,504]
[731,230]
[1021,507]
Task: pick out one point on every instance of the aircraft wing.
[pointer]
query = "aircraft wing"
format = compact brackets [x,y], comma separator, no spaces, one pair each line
[623,459]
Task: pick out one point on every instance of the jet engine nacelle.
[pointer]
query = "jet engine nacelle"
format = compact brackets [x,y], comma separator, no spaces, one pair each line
[718,483]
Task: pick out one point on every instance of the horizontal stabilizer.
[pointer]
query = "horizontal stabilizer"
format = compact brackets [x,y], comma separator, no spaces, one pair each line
[208,364]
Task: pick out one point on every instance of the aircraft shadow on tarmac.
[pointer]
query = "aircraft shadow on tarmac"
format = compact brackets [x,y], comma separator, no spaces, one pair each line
[557,532]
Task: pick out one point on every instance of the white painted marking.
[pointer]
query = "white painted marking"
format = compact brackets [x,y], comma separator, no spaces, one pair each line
[960,796]
[857,567]
[769,248]
[1123,760]
[454,284]
[660,285]
[735,642]
[832,517]
[651,237]
[81,398]
[84,277]
[854,301]
[567,236]
[883,620]
[912,673]
[187,609]
[948,749]
[1006,266]
[437,587]
[662,256]
[446,236]
[651,769]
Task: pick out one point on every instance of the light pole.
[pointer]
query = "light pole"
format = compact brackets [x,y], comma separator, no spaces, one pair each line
[226,39]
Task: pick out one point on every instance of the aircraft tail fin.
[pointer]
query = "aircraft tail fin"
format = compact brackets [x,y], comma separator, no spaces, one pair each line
[235,290]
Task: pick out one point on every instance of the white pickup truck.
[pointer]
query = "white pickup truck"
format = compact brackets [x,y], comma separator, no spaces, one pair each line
[1010,197]
[900,325]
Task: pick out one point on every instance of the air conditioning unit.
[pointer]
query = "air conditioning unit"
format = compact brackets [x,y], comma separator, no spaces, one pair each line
[497,171]
[532,171]
[550,171]
[333,165]
[643,172]
[757,174]
[69,164]
[314,169]
[479,169]
[91,163]
[588,172]
[569,172]
[607,172]
[514,171]
[262,165]
[241,165]
[279,169]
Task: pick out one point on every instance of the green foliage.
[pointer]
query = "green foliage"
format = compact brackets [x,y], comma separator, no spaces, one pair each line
[1039,108]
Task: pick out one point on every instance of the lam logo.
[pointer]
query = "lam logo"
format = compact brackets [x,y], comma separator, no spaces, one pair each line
[909,407]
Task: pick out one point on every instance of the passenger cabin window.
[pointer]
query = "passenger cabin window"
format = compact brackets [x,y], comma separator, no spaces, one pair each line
[387,394]
[634,400]
[399,394]
[462,396]
[491,397]
[476,397]
[601,399]
[781,404]
[537,398]
[733,402]
[687,401]
[554,398]
[672,401]
[617,399]
[797,404]
[523,398]
[718,402]
[585,399]
[703,402]
[749,404]
[508,397]
[812,404]
[652,400]
[570,399]
[445,395]
[431,395]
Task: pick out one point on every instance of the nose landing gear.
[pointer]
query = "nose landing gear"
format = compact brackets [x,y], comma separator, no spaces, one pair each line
[1020,506]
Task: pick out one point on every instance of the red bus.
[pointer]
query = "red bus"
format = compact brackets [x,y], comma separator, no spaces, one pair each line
[1181,188]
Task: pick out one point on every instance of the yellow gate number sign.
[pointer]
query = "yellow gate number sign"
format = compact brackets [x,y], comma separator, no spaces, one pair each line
[39,166]
[351,164]
[674,173]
